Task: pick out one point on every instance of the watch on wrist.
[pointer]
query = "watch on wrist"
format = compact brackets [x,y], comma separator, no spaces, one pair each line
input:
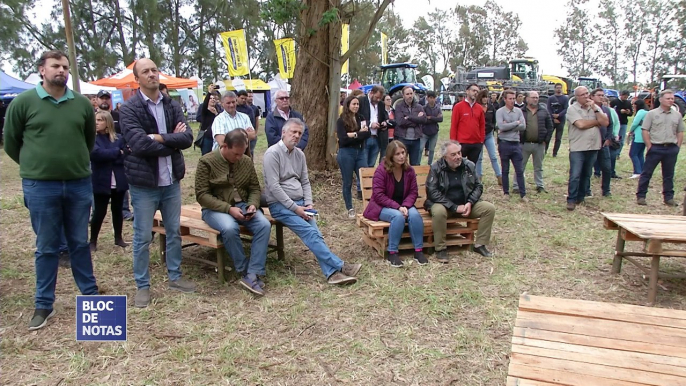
[151,136]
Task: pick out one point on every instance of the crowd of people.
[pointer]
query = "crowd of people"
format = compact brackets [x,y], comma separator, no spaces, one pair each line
[138,149]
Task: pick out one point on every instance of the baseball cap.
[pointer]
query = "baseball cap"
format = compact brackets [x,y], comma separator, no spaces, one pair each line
[104,94]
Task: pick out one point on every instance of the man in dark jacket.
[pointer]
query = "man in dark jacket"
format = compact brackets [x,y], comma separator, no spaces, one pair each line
[453,189]
[373,111]
[155,129]
[603,164]
[557,108]
[410,117]
[539,130]
[434,116]
[277,118]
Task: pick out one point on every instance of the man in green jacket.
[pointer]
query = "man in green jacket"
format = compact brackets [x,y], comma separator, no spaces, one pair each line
[227,188]
[57,184]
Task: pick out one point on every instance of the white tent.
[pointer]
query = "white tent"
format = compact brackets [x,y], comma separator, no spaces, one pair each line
[86,88]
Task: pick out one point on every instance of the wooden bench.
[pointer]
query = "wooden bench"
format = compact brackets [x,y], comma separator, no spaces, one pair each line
[196,232]
[652,231]
[577,342]
[460,232]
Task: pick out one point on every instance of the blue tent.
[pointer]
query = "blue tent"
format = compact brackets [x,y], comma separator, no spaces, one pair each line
[10,87]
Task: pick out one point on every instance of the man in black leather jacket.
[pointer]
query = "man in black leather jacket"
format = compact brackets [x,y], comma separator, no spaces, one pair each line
[453,189]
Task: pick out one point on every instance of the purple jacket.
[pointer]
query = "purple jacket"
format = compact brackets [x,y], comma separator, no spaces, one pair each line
[382,191]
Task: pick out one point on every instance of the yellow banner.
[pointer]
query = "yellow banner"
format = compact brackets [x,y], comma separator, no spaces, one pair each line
[345,45]
[236,49]
[285,53]
[384,48]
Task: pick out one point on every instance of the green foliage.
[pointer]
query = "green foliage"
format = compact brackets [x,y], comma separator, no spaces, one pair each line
[281,11]
[329,16]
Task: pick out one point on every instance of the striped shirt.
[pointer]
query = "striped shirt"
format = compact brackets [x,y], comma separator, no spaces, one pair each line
[224,123]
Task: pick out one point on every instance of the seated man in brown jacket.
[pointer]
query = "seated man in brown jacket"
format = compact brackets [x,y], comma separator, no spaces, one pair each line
[227,188]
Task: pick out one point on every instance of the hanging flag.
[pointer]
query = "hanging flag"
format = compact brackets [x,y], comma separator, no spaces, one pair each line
[345,45]
[236,48]
[285,53]
[384,48]
[428,81]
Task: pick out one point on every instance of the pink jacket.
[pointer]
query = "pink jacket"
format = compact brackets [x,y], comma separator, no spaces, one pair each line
[382,191]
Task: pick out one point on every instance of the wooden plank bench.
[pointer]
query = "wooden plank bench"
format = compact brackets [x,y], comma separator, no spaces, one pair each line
[196,232]
[577,342]
[460,232]
[653,231]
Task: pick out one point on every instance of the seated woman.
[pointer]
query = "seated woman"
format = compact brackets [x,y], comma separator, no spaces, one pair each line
[394,192]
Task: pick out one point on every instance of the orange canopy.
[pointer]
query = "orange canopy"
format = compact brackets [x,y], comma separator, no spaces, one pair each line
[125,79]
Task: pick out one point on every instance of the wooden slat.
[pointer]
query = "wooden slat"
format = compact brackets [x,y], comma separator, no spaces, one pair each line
[513,381]
[563,377]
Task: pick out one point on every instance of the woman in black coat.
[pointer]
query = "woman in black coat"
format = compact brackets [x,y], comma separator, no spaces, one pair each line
[109,180]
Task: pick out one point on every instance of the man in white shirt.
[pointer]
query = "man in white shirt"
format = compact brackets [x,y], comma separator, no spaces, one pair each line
[229,120]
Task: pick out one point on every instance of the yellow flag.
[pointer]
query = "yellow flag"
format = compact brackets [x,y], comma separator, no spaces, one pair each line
[236,49]
[345,45]
[285,53]
[384,48]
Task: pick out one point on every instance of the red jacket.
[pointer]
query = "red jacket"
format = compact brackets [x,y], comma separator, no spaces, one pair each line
[468,123]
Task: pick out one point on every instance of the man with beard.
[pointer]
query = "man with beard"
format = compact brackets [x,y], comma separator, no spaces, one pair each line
[57,184]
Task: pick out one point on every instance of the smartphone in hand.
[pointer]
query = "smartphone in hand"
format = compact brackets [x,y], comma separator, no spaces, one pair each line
[247,214]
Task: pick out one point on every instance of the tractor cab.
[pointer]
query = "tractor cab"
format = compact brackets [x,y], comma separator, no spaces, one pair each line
[590,83]
[395,76]
[524,69]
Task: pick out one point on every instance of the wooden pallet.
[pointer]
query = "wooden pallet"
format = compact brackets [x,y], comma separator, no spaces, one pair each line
[459,235]
[577,342]
[196,232]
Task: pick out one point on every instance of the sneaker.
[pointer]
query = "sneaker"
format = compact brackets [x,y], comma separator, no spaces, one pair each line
[524,199]
[671,202]
[420,258]
[394,260]
[40,318]
[571,205]
[589,194]
[142,298]
[641,201]
[506,197]
[442,256]
[340,278]
[359,195]
[634,176]
[541,189]
[261,283]
[481,249]
[351,213]
[128,218]
[182,285]
[608,195]
[351,269]
[121,243]
[250,283]
[93,246]
[64,260]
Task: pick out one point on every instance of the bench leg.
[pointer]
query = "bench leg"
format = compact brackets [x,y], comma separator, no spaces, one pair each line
[281,255]
[163,248]
[220,265]
[652,286]
[619,248]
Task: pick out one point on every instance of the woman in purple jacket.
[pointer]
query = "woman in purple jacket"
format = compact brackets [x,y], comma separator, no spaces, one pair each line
[394,193]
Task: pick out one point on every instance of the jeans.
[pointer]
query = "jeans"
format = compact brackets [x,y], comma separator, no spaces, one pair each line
[622,138]
[395,231]
[206,146]
[253,143]
[472,151]
[430,142]
[512,151]
[559,130]
[414,150]
[580,170]
[146,201]
[55,206]
[372,148]
[636,152]
[538,152]
[310,235]
[603,166]
[489,143]
[350,160]
[659,154]
[126,211]
[64,247]
[229,229]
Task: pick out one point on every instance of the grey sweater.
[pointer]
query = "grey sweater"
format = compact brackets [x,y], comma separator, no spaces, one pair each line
[285,176]
[506,120]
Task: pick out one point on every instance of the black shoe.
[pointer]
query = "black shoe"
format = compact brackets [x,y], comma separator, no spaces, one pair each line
[64,260]
[420,258]
[482,251]
[120,242]
[541,189]
[616,177]
[359,195]
[607,194]
[394,260]
[40,318]
[442,256]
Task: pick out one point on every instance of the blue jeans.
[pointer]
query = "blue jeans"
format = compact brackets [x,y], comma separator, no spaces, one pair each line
[414,150]
[126,211]
[512,151]
[54,207]
[603,166]
[397,220]
[64,247]
[206,147]
[372,149]
[580,170]
[350,160]
[229,229]
[253,143]
[146,201]
[430,142]
[622,138]
[489,143]
[310,236]
[666,156]
[636,152]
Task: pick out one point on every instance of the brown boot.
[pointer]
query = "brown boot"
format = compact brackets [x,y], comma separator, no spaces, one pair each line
[500,180]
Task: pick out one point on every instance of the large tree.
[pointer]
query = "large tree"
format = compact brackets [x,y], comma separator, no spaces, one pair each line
[578,39]
[504,40]
[609,61]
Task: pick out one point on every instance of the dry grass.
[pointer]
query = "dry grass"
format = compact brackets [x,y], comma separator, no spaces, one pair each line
[433,325]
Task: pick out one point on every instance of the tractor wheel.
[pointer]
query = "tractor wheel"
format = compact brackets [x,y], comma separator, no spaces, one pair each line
[681,105]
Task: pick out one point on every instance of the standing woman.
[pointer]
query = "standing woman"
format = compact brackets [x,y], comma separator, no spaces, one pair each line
[638,147]
[209,110]
[109,180]
[388,105]
[352,155]
[394,193]
[489,142]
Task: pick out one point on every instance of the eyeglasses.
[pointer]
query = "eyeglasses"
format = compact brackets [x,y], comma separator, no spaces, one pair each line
[283,98]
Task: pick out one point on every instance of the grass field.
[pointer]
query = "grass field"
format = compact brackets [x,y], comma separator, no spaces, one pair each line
[432,325]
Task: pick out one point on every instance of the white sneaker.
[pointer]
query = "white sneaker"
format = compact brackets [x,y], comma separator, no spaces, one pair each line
[351,213]
[634,176]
